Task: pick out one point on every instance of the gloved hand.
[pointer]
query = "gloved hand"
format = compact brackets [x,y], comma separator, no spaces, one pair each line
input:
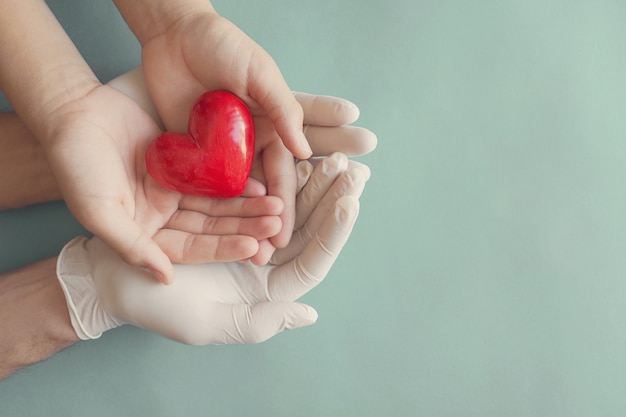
[221,303]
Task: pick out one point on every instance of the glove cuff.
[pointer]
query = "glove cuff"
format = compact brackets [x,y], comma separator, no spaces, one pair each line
[89,319]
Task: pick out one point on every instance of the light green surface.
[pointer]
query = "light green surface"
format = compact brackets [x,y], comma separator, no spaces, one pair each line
[487,273]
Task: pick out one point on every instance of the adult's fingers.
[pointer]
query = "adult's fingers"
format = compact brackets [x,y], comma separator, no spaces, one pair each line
[350,140]
[326,110]
[350,182]
[292,280]
[320,181]
[304,169]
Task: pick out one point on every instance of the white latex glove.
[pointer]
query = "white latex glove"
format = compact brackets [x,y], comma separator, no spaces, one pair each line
[325,118]
[221,303]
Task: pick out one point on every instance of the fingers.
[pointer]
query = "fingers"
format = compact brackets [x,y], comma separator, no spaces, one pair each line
[254,188]
[350,182]
[236,207]
[125,236]
[222,243]
[187,248]
[222,230]
[316,186]
[281,180]
[350,140]
[326,110]
[304,169]
[320,181]
[325,118]
[260,227]
[264,254]
[271,92]
[225,239]
[294,279]
[193,237]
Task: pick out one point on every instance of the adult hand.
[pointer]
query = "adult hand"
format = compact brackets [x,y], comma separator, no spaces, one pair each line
[221,303]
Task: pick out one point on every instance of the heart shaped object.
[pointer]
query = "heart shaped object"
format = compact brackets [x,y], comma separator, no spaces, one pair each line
[214,158]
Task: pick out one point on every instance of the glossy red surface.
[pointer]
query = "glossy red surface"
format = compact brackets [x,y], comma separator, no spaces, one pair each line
[214,158]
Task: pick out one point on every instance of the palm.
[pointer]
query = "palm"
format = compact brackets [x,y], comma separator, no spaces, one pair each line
[177,71]
[204,53]
[106,134]
[107,187]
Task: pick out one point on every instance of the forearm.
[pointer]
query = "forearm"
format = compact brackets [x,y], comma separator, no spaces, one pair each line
[25,176]
[149,18]
[34,320]
[40,68]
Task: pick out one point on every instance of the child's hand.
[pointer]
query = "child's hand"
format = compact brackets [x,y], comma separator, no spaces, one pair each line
[200,51]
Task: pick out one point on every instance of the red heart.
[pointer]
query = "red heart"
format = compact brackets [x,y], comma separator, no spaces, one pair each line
[215,157]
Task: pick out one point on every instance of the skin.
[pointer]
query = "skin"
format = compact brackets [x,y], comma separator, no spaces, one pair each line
[63,112]
[187,48]
[34,320]
[35,323]
[93,137]
[74,138]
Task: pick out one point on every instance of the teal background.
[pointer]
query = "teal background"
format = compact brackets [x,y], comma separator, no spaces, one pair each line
[487,273]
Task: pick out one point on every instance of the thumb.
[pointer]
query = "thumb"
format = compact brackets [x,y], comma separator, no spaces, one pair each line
[259,322]
[133,245]
[272,93]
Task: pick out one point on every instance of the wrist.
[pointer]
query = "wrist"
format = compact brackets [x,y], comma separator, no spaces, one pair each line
[34,323]
[40,68]
[150,18]
[88,316]
[46,119]
[26,176]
